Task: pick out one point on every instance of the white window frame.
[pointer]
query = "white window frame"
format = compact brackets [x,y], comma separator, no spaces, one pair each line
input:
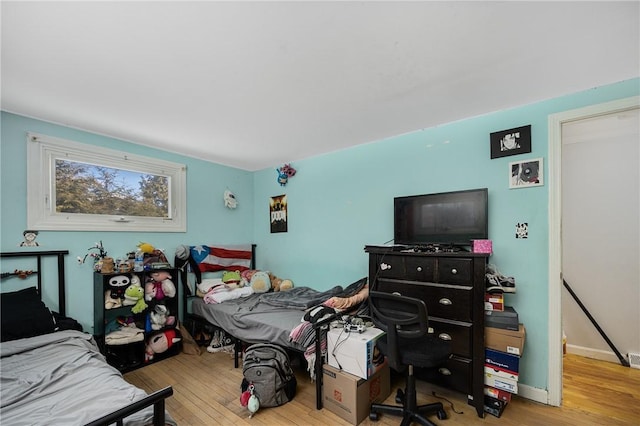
[42,153]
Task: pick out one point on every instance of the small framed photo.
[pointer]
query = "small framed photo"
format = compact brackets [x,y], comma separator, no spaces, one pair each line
[526,173]
[511,142]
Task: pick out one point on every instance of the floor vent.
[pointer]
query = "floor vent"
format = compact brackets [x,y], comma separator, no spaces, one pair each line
[634,360]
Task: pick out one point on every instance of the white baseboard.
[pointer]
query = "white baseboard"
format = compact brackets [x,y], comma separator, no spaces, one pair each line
[534,394]
[598,354]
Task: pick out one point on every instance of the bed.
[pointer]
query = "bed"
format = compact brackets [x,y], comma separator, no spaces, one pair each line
[273,317]
[53,373]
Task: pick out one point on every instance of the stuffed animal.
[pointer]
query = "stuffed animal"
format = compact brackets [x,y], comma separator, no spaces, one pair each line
[260,282]
[278,284]
[134,295]
[162,286]
[160,342]
[245,277]
[160,317]
[130,294]
[150,291]
[231,279]
[117,285]
[111,302]
[146,247]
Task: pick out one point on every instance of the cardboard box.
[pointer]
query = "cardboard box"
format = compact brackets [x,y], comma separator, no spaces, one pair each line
[507,319]
[501,373]
[497,394]
[501,383]
[493,302]
[350,396]
[503,362]
[509,341]
[353,352]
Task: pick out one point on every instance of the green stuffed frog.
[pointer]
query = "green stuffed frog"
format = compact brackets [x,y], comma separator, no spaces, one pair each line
[134,295]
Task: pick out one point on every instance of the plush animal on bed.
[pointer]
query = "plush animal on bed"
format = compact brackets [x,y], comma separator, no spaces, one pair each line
[160,342]
[278,284]
[245,277]
[260,282]
[232,279]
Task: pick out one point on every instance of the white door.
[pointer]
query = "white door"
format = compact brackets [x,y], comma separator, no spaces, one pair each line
[601,233]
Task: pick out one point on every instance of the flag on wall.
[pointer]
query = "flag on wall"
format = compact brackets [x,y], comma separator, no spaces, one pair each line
[222,258]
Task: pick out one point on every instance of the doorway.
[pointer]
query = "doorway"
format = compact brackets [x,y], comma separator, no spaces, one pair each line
[600,199]
[576,122]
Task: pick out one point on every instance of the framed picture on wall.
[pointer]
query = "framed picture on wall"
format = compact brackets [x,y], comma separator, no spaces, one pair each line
[511,142]
[526,173]
[278,213]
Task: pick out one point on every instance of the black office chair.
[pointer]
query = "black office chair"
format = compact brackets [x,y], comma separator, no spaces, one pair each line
[407,344]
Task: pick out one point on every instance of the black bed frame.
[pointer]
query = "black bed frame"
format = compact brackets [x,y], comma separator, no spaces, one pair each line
[192,321]
[157,399]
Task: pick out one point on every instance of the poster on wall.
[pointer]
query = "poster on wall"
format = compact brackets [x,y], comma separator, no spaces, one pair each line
[523,174]
[511,142]
[278,213]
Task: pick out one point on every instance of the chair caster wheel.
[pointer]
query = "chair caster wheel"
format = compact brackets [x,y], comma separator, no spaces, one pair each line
[442,415]
[374,417]
[400,397]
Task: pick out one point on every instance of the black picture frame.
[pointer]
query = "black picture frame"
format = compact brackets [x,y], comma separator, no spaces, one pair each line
[511,142]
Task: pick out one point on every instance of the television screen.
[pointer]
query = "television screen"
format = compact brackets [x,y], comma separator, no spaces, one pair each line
[453,218]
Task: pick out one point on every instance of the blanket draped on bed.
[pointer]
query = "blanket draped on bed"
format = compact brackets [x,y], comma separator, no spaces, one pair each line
[62,379]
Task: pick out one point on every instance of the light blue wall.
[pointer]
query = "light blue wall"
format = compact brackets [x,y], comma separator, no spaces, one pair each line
[207,218]
[338,203]
[342,201]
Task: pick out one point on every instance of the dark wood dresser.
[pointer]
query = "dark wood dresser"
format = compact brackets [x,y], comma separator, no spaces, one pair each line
[452,285]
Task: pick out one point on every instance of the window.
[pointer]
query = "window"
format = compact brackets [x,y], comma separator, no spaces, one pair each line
[77,187]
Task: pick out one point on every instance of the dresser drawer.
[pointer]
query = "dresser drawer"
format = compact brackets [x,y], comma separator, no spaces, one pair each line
[444,301]
[458,333]
[455,374]
[406,267]
[454,271]
[419,268]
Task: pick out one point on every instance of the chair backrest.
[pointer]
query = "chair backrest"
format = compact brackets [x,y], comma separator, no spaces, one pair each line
[401,317]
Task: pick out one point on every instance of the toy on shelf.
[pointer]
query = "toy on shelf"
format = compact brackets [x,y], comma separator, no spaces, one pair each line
[160,342]
[134,296]
[159,287]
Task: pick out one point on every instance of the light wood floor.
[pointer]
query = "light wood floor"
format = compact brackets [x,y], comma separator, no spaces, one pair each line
[207,392]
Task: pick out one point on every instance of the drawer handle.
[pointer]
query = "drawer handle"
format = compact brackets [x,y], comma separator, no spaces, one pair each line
[385,266]
[444,336]
[419,269]
[444,371]
[445,301]
[454,271]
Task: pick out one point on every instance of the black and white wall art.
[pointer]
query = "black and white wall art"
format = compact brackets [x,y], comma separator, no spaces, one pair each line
[526,173]
[511,142]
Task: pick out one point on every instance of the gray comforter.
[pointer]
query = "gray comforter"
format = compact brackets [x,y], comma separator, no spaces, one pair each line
[62,379]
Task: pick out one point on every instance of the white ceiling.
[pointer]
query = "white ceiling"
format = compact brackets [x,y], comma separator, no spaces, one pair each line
[257,84]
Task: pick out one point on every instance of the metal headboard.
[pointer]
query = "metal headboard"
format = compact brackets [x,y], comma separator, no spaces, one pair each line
[38,272]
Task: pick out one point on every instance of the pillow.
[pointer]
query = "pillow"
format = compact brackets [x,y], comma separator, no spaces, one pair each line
[23,314]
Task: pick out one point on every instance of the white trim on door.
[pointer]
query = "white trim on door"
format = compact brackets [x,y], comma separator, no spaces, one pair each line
[554,394]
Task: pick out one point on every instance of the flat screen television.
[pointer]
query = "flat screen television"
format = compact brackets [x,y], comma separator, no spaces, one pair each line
[448,218]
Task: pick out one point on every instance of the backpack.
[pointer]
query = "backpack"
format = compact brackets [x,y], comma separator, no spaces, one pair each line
[267,366]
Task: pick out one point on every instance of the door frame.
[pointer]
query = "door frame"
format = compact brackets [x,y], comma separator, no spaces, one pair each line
[554,389]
